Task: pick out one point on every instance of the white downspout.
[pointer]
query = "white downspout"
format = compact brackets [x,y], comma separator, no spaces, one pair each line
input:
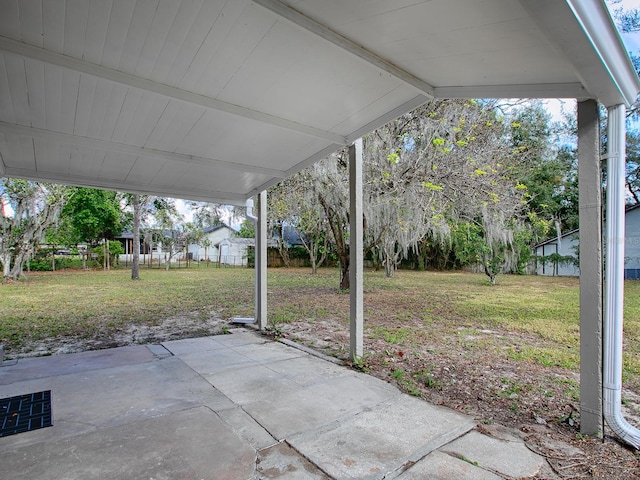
[254,219]
[614,278]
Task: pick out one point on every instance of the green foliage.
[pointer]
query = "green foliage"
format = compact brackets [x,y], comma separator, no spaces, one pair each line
[43,261]
[94,214]
[247,230]
[115,250]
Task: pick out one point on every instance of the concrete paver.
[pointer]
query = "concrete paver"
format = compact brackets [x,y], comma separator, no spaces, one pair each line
[247,428]
[510,458]
[440,466]
[211,407]
[388,437]
[286,413]
[281,462]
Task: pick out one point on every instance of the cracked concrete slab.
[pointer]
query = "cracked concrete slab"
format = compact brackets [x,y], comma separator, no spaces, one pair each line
[506,456]
[282,462]
[440,466]
[247,428]
[383,439]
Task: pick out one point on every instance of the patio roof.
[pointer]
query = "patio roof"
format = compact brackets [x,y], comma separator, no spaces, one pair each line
[218,100]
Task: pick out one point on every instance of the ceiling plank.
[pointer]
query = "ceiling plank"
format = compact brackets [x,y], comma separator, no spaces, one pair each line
[345,44]
[18,48]
[107,146]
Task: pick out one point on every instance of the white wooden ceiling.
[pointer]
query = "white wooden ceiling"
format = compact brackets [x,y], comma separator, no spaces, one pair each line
[218,99]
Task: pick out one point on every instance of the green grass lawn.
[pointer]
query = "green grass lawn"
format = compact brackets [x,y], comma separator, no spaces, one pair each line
[541,313]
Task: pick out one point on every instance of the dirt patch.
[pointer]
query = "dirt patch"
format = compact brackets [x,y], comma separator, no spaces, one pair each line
[173,328]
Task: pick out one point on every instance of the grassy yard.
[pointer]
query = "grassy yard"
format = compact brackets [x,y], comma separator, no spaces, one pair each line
[505,354]
[523,319]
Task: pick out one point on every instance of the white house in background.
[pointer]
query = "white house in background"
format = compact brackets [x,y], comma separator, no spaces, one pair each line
[208,249]
[567,245]
[233,251]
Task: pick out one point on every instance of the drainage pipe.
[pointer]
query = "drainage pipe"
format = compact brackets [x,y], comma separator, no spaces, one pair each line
[614,278]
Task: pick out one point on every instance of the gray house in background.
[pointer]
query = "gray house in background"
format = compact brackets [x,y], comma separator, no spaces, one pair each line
[563,246]
[567,245]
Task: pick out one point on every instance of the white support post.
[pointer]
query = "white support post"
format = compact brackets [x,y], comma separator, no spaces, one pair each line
[261,262]
[591,301]
[356,253]
[614,278]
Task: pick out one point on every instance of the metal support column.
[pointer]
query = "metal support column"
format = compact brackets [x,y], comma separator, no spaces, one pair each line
[261,262]
[356,253]
[591,303]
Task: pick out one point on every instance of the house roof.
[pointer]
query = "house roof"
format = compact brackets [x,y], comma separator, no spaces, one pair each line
[555,239]
[218,100]
[577,230]
[249,242]
[214,228]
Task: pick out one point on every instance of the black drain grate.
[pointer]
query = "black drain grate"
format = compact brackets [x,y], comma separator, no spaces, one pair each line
[25,412]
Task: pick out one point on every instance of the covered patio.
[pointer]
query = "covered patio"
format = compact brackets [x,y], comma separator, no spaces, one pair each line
[219,100]
[240,407]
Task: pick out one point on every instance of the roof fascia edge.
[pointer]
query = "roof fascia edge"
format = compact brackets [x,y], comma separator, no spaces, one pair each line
[14,47]
[545,90]
[598,26]
[324,32]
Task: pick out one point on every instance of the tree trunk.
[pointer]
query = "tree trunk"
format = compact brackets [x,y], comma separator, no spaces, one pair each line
[135,264]
[342,249]
[344,275]
[6,266]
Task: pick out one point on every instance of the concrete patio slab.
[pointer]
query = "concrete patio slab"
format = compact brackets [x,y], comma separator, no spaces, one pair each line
[389,437]
[192,345]
[211,407]
[282,462]
[510,458]
[210,363]
[440,466]
[245,385]
[284,414]
[165,447]
[306,370]
[94,399]
[247,428]
[31,368]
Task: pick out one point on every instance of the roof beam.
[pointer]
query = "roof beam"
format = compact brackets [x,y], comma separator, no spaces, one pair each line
[345,44]
[134,150]
[22,49]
